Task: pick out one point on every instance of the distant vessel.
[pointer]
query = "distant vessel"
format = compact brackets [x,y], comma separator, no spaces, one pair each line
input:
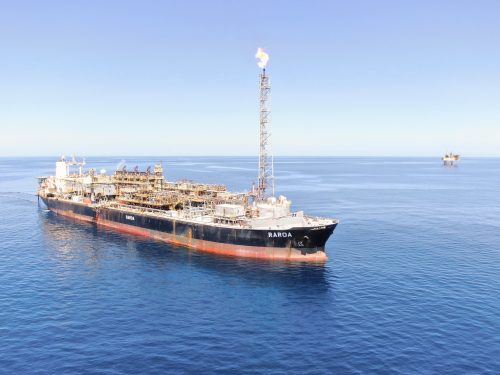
[253,224]
[450,159]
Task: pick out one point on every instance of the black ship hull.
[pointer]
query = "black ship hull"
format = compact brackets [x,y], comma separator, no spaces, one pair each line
[301,243]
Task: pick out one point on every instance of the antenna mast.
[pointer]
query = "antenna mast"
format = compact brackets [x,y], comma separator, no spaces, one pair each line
[266,162]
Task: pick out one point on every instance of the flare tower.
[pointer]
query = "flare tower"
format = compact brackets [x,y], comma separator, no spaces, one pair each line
[265,186]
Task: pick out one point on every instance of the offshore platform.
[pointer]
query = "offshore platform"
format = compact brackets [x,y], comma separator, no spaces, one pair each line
[450,159]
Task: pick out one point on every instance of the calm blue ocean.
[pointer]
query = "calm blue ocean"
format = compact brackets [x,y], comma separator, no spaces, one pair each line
[412,285]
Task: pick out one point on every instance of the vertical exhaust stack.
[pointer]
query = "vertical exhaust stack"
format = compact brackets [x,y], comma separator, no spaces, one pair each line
[266,162]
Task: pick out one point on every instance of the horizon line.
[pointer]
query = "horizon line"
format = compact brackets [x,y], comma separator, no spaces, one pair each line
[247,156]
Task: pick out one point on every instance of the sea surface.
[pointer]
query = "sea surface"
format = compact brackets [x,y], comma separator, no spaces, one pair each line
[412,284]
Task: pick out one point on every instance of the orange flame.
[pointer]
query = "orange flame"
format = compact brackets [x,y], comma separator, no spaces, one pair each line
[263,57]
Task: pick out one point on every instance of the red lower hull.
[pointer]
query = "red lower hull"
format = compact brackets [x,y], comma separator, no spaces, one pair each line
[256,252]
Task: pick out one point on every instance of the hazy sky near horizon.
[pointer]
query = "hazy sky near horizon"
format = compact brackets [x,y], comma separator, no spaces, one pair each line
[180,77]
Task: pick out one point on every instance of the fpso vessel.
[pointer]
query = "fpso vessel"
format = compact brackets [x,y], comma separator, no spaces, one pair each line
[198,216]
[253,224]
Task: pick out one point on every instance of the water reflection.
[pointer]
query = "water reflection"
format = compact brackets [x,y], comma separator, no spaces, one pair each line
[75,241]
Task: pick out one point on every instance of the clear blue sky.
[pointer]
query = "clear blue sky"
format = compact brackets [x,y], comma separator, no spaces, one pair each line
[180,78]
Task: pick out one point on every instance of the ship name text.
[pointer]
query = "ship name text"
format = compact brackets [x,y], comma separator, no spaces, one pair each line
[279,234]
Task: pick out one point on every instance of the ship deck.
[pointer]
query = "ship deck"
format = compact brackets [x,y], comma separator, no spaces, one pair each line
[206,217]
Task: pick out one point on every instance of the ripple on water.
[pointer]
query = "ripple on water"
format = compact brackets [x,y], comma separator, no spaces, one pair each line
[411,285]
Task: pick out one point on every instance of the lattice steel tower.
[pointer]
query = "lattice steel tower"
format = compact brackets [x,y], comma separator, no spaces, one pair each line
[266,162]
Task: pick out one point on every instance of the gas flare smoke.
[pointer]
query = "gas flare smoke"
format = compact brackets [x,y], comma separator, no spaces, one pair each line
[263,57]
